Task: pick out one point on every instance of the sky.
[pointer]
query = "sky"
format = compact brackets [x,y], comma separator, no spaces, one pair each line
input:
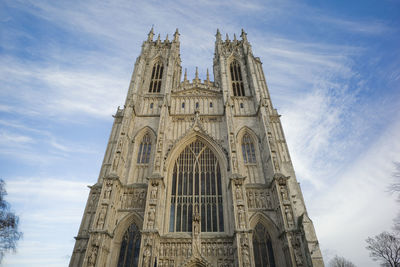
[332,68]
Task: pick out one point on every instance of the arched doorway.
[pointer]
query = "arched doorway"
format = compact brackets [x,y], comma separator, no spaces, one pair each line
[130,247]
[262,247]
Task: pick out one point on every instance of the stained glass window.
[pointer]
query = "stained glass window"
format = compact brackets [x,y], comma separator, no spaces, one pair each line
[196,181]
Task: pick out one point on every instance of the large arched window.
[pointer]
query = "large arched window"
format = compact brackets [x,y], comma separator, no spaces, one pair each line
[237,81]
[248,151]
[130,247]
[156,77]
[262,247]
[144,150]
[196,181]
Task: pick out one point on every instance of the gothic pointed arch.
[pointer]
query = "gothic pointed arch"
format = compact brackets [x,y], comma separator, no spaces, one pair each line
[266,232]
[196,178]
[236,77]
[142,155]
[127,232]
[249,155]
[157,72]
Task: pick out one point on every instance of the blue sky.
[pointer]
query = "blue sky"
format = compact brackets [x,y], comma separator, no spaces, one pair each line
[332,68]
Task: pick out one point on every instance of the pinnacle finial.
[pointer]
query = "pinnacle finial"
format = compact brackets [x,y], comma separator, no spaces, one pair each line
[158,37]
[218,36]
[208,76]
[185,76]
[176,35]
[244,35]
[234,37]
[227,37]
[151,34]
[197,73]
[166,38]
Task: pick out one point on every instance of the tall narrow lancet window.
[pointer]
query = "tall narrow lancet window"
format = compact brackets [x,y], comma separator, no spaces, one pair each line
[262,247]
[248,151]
[236,78]
[144,150]
[196,184]
[130,247]
[156,77]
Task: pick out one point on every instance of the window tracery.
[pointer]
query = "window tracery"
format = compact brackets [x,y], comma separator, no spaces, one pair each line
[262,247]
[196,181]
[144,150]
[156,78]
[130,248]
[236,78]
[248,150]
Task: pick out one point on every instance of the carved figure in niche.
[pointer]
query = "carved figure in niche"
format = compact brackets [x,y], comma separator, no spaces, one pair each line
[263,200]
[242,223]
[161,250]
[141,198]
[245,256]
[116,161]
[108,189]
[154,192]
[232,140]
[146,256]
[238,192]
[258,200]
[101,219]
[92,256]
[297,252]
[289,216]
[275,160]
[151,217]
[93,199]
[269,204]
[234,163]
[119,148]
[251,200]
[284,193]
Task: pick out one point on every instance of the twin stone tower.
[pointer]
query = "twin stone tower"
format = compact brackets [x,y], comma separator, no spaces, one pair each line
[196,173]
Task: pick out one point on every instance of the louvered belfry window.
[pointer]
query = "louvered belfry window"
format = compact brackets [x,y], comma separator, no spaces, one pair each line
[196,180]
[248,151]
[144,150]
[130,247]
[262,247]
[156,77]
[236,77]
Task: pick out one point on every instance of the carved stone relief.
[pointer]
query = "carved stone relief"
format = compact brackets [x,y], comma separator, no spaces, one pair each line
[133,198]
[259,199]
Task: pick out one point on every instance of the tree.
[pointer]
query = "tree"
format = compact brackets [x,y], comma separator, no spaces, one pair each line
[9,234]
[395,188]
[385,248]
[338,261]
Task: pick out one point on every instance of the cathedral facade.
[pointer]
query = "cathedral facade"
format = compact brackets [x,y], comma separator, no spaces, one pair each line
[196,173]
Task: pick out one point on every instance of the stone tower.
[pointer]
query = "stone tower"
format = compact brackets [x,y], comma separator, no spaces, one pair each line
[196,173]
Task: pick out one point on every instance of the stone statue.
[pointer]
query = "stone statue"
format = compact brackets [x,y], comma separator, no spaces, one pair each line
[102,217]
[146,256]
[108,189]
[92,256]
[238,192]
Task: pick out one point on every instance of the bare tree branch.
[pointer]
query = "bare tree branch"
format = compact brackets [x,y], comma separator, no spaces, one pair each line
[385,248]
[338,261]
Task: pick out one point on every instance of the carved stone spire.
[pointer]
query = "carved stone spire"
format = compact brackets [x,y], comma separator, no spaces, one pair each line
[244,35]
[166,39]
[218,36]
[234,37]
[196,77]
[208,77]
[227,38]
[176,35]
[150,35]
[185,76]
[158,39]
